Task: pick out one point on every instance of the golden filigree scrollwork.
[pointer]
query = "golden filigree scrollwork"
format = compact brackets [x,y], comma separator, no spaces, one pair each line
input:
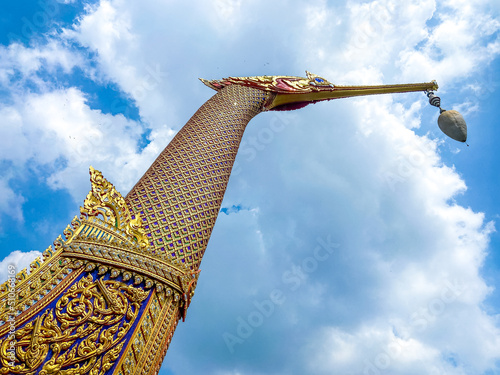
[33,286]
[106,237]
[83,334]
[105,201]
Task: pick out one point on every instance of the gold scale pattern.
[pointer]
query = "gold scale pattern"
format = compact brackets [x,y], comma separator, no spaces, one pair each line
[179,197]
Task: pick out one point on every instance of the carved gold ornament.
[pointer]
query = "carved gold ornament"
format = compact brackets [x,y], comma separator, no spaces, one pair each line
[108,237]
[84,333]
[64,326]
[105,201]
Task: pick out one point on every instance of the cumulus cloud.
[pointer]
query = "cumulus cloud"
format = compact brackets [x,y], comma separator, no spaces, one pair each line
[20,65]
[125,55]
[58,132]
[11,203]
[464,38]
[53,132]
[408,259]
[15,262]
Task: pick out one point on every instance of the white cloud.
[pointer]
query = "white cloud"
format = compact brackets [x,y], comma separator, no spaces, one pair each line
[19,64]
[403,279]
[388,354]
[384,194]
[57,135]
[19,260]
[107,31]
[11,203]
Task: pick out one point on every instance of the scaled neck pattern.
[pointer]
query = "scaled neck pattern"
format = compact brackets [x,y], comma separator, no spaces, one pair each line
[179,197]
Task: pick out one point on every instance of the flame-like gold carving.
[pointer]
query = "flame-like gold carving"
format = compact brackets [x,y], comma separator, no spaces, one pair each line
[105,201]
[84,333]
[107,236]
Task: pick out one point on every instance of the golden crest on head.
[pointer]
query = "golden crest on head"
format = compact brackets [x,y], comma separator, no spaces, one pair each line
[277,84]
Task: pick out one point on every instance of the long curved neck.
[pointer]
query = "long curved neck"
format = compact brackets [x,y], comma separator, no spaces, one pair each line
[180,195]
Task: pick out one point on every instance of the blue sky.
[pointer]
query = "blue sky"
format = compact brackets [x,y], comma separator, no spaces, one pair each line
[368,235]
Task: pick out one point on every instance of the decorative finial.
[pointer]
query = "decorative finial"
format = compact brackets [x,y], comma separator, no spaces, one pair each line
[450,122]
